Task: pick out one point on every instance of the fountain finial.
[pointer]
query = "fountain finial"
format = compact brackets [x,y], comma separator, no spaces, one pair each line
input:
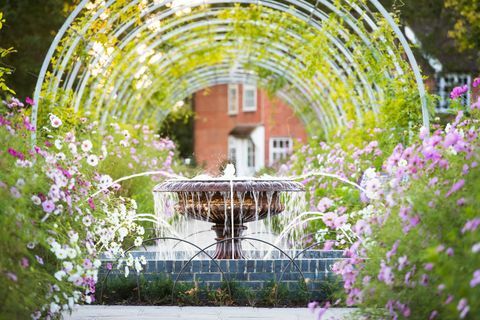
[229,171]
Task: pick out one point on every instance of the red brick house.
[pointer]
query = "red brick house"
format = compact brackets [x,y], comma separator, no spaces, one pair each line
[241,124]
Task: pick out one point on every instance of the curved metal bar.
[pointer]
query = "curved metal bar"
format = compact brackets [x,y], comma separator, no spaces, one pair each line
[294,258]
[241,238]
[181,271]
[308,12]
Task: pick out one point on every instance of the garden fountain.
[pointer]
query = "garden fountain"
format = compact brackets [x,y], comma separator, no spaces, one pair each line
[228,202]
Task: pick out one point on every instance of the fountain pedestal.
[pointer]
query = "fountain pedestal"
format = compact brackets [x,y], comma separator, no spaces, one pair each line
[223,249]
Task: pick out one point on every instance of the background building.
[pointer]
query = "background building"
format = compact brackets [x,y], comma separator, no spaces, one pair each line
[241,124]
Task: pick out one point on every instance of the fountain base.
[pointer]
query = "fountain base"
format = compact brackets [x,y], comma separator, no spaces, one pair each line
[224,248]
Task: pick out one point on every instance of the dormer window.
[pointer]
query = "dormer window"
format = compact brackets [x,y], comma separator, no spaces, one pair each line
[249,98]
[233,99]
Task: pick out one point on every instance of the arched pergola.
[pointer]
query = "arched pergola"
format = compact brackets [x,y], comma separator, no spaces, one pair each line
[331,60]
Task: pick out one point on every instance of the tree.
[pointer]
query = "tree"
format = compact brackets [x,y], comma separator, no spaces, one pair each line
[30,27]
[466,30]
[434,23]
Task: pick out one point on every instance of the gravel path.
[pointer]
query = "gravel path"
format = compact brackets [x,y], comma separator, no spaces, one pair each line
[198,313]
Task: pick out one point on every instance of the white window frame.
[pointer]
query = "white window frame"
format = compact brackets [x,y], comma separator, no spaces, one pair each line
[283,151]
[445,85]
[232,107]
[249,108]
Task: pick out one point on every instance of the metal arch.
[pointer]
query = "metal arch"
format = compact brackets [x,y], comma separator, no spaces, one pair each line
[369,92]
[174,284]
[340,47]
[239,238]
[342,12]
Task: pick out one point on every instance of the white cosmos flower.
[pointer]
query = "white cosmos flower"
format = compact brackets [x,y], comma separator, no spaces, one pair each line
[122,232]
[61,254]
[36,200]
[58,144]
[127,271]
[72,147]
[143,260]
[55,121]
[140,230]
[92,160]
[138,266]
[138,241]
[97,263]
[105,181]
[54,308]
[87,221]
[370,173]
[60,156]
[402,163]
[86,145]
[60,274]
[68,266]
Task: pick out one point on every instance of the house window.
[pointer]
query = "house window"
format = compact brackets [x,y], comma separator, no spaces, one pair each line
[280,148]
[249,98]
[233,99]
[445,85]
[250,154]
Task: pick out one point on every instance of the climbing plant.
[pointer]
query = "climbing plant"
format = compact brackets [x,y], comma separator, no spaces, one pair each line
[136,59]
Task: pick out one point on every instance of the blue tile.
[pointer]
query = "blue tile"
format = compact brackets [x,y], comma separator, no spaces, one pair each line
[205,266]
[196,266]
[184,277]
[268,265]
[240,265]
[250,265]
[261,276]
[259,266]
[169,266]
[208,277]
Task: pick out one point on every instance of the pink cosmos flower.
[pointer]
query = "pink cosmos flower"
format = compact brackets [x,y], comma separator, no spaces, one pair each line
[476,82]
[463,308]
[476,105]
[48,206]
[12,276]
[455,187]
[30,101]
[449,252]
[24,262]
[402,262]
[312,306]
[476,278]
[385,274]
[458,91]
[428,266]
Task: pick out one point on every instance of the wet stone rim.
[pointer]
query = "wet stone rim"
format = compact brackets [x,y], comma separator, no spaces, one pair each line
[220,185]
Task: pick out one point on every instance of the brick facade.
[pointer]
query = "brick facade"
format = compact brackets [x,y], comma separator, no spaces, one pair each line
[213,124]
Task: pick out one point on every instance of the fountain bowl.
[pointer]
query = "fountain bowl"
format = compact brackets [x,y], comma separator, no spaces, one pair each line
[212,201]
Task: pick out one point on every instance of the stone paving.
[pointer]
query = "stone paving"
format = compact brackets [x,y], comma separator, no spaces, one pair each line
[199,313]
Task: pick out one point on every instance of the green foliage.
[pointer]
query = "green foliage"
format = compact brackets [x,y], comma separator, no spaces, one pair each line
[466,30]
[157,290]
[30,28]
[4,70]
[178,127]
[439,228]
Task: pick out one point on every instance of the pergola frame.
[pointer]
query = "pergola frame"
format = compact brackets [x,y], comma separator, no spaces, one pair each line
[199,26]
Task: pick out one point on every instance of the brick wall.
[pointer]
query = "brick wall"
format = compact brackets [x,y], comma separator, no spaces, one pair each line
[213,124]
[254,274]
